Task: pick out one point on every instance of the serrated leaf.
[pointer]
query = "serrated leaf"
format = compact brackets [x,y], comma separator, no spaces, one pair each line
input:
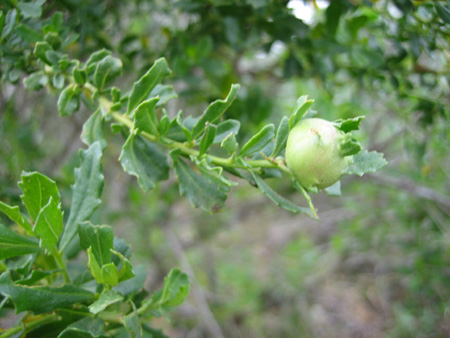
[85,328]
[185,127]
[201,192]
[144,160]
[126,272]
[300,110]
[132,324]
[349,124]
[16,216]
[366,162]
[214,111]
[42,299]
[106,298]
[282,136]
[258,141]
[49,225]
[229,143]
[279,200]
[225,128]
[215,174]
[207,138]
[349,146]
[37,190]
[100,238]
[106,71]
[69,100]
[134,284]
[146,83]
[12,244]
[93,130]
[174,291]
[86,191]
[145,116]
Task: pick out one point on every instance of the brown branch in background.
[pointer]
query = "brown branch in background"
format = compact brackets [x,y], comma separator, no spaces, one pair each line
[418,190]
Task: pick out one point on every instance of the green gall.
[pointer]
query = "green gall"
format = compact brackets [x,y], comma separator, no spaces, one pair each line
[314,153]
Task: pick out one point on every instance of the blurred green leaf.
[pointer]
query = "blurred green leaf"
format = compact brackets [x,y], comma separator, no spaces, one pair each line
[27,34]
[106,71]
[366,162]
[12,244]
[100,238]
[49,225]
[145,117]
[107,297]
[93,130]
[85,328]
[174,291]
[225,128]
[300,110]
[16,216]
[132,323]
[207,138]
[282,136]
[36,80]
[68,101]
[349,124]
[31,9]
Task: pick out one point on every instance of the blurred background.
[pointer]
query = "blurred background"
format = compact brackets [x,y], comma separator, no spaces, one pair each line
[378,262]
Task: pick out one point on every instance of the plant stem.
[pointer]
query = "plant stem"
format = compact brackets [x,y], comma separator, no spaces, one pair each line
[26,327]
[61,264]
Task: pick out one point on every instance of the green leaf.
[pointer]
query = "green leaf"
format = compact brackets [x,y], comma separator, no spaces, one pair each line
[349,124]
[35,277]
[201,192]
[27,34]
[215,174]
[333,14]
[300,110]
[214,111]
[126,272]
[86,191]
[443,12]
[36,81]
[40,50]
[16,216]
[146,83]
[229,143]
[174,291]
[145,117]
[207,139]
[58,81]
[164,92]
[349,146]
[132,324]
[225,128]
[12,244]
[94,59]
[110,274]
[144,160]
[69,100]
[10,22]
[80,76]
[107,70]
[31,9]
[282,136]
[85,328]
[279,200]
[106,298]
[134,284]
[366,162]
[42,299]
[100,238]
[94,266]
[258,141]
[2,21]
[49,225]
[334,190]
[37,190]
[93,130]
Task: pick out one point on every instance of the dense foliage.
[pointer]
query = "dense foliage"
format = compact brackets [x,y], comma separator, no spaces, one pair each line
[133,78]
